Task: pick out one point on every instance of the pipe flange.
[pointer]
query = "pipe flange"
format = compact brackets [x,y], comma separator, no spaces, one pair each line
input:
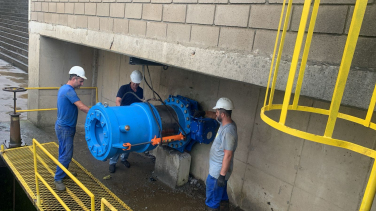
[98,139]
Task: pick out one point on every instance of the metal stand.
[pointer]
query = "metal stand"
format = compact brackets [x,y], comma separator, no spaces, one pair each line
[15,133]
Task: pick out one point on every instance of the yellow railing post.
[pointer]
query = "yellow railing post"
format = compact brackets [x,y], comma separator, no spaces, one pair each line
[295,60]
[104,203]
[348,53]
[53,88]
[305,53]
[36,172]
[369,194]
[280,49]
[274,51]
[87,191]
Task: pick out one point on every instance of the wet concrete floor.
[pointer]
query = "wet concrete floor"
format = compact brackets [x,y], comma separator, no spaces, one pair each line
[135,186]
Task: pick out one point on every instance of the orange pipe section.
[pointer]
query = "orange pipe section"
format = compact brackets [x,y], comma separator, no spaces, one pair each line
[166,139]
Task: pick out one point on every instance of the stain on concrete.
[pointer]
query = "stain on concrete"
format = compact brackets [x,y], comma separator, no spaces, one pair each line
[14,77]
[137,186]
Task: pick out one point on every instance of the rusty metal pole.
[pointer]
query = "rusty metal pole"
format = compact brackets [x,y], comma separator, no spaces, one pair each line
[15,131]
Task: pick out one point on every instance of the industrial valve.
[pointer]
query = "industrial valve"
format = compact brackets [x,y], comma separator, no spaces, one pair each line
[142,127]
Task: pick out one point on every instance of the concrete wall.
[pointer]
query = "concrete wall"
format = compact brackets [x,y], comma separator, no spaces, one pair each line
[272,170]
[225,38]
[49,67]
[222,48]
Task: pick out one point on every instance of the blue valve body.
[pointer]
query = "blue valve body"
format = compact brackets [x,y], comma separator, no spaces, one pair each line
[108,128]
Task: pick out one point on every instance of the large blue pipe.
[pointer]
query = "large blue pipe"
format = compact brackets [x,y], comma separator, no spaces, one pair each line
[108,128]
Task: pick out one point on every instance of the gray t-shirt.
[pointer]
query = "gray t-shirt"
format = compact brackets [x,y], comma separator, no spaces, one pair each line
[226,139]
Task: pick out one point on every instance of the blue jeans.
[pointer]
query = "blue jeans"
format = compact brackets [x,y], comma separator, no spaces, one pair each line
[65,136]
[124,156]
[214,193]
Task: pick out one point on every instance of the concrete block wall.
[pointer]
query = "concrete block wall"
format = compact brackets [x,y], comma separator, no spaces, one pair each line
[48,69]
[273,170]
[246,27]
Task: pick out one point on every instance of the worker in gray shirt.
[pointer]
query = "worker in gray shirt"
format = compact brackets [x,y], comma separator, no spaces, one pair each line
[221,155]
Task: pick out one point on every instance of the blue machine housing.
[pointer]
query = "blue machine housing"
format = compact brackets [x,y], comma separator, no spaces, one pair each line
[108,128]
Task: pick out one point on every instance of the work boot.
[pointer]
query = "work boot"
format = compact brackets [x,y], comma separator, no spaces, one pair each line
[59,185]
[126,163]
[212,209]
[225,206]
[73,173]
[112,168]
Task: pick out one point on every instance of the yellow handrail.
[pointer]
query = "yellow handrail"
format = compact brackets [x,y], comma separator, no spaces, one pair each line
[332,113]
[37,176]
[54,88]
[105,202]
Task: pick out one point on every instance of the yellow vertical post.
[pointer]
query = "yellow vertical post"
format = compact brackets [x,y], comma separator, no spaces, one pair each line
[294,62]
[92,203]
[275,49]
[96,94]
[369,194]
[305,53]
[2,148]
[348,53]
[35,172]
[371,108]
[280,49]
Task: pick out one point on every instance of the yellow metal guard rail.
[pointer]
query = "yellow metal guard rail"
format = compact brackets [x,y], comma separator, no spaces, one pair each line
[333,113]
[37,176]
[54,88]
[105,202]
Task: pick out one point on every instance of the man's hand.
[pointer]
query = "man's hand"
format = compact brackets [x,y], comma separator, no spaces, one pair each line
[198,114]
[221,182]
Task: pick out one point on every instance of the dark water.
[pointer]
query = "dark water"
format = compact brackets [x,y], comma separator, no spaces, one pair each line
[22,202]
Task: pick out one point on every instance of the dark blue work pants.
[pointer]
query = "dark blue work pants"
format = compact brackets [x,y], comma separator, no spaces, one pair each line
[214,193]
[65,136]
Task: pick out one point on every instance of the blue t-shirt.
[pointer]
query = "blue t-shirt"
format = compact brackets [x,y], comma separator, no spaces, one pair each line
[226,139]
[129,98]
[66,109]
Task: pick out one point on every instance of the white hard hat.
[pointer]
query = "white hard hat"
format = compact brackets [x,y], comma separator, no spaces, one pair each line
[79,71]
[136,76]
[224,103]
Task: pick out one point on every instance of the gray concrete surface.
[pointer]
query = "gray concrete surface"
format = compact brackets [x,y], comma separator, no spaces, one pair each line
[246,67]
[139,187]
[172,167]
[272,169]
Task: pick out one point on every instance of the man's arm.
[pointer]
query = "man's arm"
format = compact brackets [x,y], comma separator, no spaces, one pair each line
[226,162]
[82,106]
[118,101]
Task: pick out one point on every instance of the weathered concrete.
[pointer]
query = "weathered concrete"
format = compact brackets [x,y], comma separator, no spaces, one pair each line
[152,12]
[172,167]
[202,14]
[229,15]
[330,19]
[133,11]
[251,68]
[53,72]
[178,33]
[174,13]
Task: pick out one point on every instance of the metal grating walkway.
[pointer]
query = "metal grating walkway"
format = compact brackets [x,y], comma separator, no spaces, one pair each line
[21,162]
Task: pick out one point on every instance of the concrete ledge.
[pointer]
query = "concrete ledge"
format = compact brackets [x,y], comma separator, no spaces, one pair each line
[245,66]
[172,167]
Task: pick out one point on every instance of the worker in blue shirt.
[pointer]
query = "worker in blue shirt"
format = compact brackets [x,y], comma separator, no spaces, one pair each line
[221,157]
[125,97]
[68,104]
